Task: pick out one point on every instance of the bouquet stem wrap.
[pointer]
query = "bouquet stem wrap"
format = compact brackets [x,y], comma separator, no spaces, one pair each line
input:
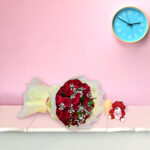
[41,98]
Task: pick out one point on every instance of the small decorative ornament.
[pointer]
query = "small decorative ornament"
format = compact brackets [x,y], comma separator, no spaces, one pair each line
[76,103]
[117,111]
[130,24]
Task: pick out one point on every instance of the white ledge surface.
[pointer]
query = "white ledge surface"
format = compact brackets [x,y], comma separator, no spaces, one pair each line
[137,119]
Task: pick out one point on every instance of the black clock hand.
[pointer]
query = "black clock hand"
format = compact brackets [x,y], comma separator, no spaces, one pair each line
[123,20]
[129,21]
[136,23]
[132,24]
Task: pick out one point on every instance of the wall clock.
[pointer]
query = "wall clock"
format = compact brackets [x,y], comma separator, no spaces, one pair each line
[130,24]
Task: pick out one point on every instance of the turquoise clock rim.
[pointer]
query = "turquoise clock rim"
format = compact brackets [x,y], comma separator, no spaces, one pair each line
[145,17]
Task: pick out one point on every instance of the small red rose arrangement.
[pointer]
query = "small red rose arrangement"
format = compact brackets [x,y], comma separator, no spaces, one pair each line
[74,103]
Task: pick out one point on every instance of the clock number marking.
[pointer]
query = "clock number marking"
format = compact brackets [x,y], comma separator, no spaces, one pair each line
[140,18]
[129,36]
[117,24]
[129,12]
[119,30]
[124,34]
[123,14]
[140,30]
[136,35]
[136,14]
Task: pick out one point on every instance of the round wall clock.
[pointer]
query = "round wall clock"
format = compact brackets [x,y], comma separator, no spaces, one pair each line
[130,24]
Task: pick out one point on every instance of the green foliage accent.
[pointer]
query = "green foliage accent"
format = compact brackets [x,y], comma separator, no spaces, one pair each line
[81,100]
[63,94]
[79,114]
[69,124]
[90,103]
[92,98]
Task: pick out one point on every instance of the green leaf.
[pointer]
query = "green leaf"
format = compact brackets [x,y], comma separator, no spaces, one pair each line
[69,125]
[92,98]
[82,100]
[79,114]
[90,103]
[63,94]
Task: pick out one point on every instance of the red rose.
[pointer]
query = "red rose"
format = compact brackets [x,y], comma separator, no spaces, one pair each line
[66,87]
[77,95]
[75,101]
[58,99]
[85,92]
[70,82]
[85,102]
[60,91]
[59,113]
[84,122]
[74,123]
[66,114]
[66,101]
[68,93]
[75,107]
[88,109]
[63,119]
[92,105]
[75,115]
[87,88]
[78,82]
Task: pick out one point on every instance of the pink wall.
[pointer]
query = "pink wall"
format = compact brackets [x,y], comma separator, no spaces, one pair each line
[59,39]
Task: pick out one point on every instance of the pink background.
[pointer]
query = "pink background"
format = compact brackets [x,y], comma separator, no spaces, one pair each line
[59,39]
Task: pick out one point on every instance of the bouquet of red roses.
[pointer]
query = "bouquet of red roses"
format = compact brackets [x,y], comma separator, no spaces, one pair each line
[76,103]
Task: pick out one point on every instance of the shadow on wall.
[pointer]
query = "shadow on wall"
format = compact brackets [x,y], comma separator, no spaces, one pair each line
[134,45]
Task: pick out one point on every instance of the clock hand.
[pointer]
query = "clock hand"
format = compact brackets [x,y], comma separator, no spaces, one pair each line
[132,24]
[129,21]
[136,23]
[123,20]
